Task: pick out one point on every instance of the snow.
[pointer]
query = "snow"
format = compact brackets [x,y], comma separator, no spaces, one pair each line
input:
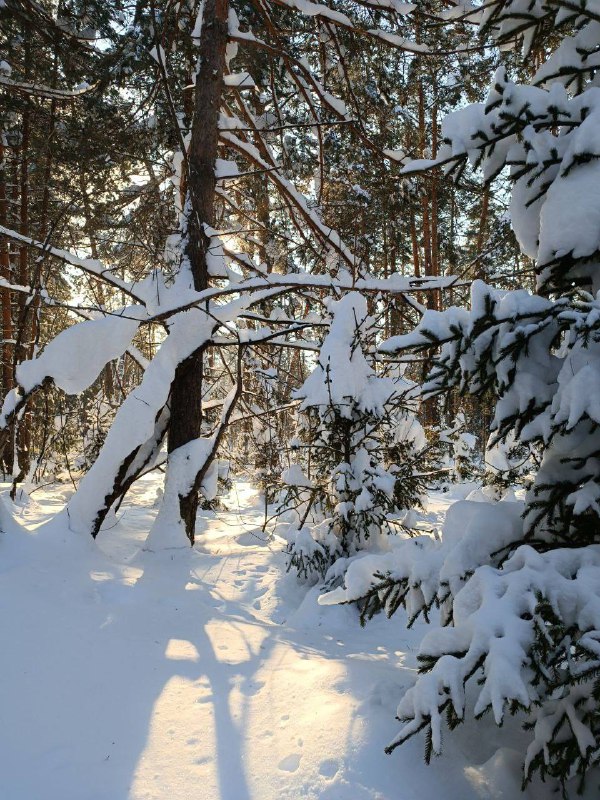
[345,376]
[394,155]
[75,357]
[426,564]
[137,422]
[570,217]
[208,672]
[316,9]
[136,419]
[293,476]
[185,463]
[225,169]
[239,80]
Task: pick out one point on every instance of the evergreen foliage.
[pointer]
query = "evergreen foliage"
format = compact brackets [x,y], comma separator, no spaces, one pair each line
[520,600]
[351,412]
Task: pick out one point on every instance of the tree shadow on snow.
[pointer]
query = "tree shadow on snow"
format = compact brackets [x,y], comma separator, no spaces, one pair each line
[110,656]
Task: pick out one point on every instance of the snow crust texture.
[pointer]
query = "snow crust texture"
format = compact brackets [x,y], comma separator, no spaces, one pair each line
[205,672]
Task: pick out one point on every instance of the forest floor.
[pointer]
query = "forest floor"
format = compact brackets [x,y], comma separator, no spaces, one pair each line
[208,674]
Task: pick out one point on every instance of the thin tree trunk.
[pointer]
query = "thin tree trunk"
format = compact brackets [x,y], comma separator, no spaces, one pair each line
[6,299]
[481,234]
[425,200]
[23,332]
[415,245]
[435,252]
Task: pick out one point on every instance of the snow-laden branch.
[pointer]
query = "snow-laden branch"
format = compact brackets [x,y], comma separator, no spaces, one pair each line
[72,361]
[329,235]
[323,12]
[275,284]
[92,266]
[40,90]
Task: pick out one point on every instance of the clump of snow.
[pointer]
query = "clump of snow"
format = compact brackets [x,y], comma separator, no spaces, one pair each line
[75,357]
[294,476]
[345,378]
[184,464]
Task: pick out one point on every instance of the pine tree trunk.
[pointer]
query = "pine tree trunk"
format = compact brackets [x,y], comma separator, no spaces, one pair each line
[414,244]
[435,251]
[186,391]
[6,300]
[485,205]
[23,333]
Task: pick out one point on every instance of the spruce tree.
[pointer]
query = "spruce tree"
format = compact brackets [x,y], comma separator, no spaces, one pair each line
[352,417]
[520,593]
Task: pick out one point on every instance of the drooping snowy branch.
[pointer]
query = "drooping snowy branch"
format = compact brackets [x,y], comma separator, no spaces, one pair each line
[90,265]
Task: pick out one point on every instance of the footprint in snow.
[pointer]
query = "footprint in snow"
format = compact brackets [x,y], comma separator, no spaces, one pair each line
[290,763]
[329,768]
[252,539]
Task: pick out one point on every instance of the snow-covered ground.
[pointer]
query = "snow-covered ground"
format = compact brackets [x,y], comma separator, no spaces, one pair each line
[207,673]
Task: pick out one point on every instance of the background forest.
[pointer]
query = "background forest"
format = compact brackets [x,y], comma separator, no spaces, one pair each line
[338,260]
[317,120]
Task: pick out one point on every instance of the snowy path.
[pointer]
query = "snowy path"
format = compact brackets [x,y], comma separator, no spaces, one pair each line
[204,674]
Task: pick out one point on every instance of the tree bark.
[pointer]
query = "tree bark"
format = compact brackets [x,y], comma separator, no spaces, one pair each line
[5,299]
[481,234]
[435,250]
[23,332]
[186,391]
